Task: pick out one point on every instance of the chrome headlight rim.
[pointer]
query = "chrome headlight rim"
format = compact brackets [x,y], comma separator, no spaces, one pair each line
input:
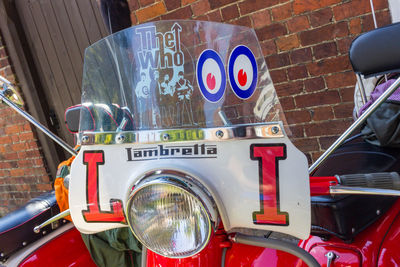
[189,185]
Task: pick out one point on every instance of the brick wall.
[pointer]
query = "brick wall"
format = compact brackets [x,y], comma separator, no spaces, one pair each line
[22,172]
[305,44]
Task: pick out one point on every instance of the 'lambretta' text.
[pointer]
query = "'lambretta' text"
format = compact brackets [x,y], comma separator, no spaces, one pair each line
[168,152]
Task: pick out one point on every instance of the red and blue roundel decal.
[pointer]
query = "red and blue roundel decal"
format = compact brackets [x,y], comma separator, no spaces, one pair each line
[242,70]
[211,76]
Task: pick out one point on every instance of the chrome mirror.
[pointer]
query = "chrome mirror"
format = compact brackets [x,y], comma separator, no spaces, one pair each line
[9,91]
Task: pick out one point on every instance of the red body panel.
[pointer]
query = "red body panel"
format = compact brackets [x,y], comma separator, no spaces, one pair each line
[209,256]
[378,243]
[67,249]
[243,255]
[345,257]
[389,254]
[236,255]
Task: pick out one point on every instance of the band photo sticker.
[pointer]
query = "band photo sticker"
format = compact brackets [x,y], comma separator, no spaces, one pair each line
[211,76]
[242,72]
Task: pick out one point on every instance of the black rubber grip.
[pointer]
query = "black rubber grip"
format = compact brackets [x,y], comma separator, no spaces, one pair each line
[381,180]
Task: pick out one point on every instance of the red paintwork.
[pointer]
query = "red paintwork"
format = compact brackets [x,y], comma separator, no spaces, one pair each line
[320,186]
[243,255]
[389,254]
[378,245]
[209,256]
[345,257]
[367,248]
[67,249]
[236,255]
[369,243]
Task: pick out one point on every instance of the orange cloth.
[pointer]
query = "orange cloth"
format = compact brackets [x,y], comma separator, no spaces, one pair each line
[61,190]
[62,195]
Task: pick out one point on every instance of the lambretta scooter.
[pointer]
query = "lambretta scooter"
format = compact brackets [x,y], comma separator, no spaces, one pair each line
[183,140]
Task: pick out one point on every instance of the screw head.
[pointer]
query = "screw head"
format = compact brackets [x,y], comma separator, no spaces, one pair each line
[165,137]
[85,139]
[24,243]
[378,212]
[219,134]
[275,130]
[120,138]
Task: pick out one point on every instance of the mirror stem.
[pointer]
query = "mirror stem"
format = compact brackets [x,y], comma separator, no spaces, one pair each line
[42,128]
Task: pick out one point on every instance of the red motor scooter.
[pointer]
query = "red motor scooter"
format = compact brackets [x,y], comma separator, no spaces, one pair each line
[183,140]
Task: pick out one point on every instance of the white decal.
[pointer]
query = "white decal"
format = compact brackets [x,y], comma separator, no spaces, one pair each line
[163,93]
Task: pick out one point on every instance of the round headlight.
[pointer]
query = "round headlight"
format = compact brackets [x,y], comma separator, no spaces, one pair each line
[170,214]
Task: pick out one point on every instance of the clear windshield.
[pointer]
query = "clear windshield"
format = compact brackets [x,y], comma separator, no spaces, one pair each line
[177,74]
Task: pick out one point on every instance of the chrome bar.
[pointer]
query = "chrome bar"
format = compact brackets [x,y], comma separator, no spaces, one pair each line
[361,88]
[4,80]
[355,125]
[371,2]
[61,215]
[224,118]
[350,190]
[42,128]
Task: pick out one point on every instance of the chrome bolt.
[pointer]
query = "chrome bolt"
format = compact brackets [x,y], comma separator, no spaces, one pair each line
[24,243]
[120,138]
[165,137]
[85,139]
[378,212]
[2,254]
[275,130]
[219,134]
[44,232]
[353,230]
[331,256]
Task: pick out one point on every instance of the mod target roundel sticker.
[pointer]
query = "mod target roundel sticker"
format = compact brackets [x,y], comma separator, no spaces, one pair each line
[211,76]
[242,70]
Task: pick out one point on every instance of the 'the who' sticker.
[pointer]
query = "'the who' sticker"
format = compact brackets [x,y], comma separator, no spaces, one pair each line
[242,71]
[211,76]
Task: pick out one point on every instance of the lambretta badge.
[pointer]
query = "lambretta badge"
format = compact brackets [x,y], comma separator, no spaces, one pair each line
[172,152]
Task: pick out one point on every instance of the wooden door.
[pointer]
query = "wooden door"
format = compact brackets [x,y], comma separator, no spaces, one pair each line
[57,32]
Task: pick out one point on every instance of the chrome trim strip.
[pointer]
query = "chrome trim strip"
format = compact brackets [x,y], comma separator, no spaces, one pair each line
[244,131]
[349,190]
